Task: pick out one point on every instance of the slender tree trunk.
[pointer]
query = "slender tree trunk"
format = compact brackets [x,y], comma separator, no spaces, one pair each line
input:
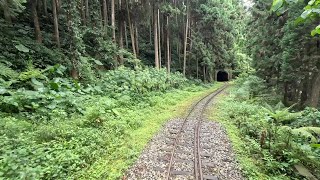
[304,91]
[131,31]
[185,46]
[170,53]
[197,68]
[105,13]
[126,34]
[6,12]
[82,12]
[179,52]
[55,22]
[36,22]
[137,40]
[168,45]
[39,7]
[286,94]
[58,3]
[120,34]
[204,74]
[190,35]
[156,43]
[159,39]
[45,8]
[150,31]
[87,12]
[315,92]
[72,43]
[113,21]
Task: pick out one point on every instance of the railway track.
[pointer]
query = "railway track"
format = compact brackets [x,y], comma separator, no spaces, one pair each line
[182,139]
[188,148]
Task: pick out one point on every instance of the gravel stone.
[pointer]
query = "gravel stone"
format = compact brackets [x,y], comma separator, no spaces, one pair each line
[217,158]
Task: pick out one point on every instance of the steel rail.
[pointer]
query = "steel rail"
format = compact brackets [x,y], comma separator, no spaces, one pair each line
[198,140]
[198,162]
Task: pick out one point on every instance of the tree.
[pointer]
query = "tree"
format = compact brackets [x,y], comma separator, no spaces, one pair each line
[113,21]
[155,30]
[56,24]
[36,22]
[185,43]
[11,8]
[311,11]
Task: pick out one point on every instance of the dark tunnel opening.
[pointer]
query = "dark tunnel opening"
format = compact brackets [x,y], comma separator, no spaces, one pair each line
[222,76]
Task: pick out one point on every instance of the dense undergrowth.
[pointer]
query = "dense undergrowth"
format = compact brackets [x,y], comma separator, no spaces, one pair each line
[52,127]
[271,141]
[75,112]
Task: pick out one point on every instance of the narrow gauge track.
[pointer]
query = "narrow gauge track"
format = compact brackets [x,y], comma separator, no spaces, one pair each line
[198,172]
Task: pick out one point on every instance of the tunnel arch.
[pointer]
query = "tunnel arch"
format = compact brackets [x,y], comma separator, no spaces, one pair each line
[222,76]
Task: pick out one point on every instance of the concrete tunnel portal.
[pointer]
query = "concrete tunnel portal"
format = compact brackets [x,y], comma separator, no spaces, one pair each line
[222,76]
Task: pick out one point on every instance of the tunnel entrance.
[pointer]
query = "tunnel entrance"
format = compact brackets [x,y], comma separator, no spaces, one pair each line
[222,76]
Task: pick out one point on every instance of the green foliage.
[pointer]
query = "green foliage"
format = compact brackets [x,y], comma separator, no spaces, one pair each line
[7,73]
[13,7]
[311,11]
[53,127]
[274,137]
[141,81]
[250,86]
[309,117]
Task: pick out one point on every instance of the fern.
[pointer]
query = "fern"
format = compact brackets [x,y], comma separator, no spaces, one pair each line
[31,72]
[307,132]
[7,73]
[281,114]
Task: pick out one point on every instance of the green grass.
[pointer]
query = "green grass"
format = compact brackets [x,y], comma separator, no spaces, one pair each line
[166,107]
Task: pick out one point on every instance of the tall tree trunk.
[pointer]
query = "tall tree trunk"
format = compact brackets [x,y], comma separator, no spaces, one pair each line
[159,39]
[58,3]
[179,51]
[72,44]
[156,43]
[105,13]
[126,34]
[82,12]
[39,7]
[101,23]
[55,22]
[36,22]
[304,91]
[45,8]
[185,45]
[286,94]
[190,35]
[120,33]
[113,20]
[150,31]
[204,74]
[137,40]
[315,92]
[6,12]
[168,45]
[87,12]
[131,31]
[197,67]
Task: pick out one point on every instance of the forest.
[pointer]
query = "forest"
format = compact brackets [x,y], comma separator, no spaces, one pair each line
[85,85]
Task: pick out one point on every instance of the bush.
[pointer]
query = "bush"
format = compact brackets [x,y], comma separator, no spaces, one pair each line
[52,127]
[275,136]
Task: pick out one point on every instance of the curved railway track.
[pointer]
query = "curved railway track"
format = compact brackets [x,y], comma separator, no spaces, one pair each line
[188,148]
[197,157]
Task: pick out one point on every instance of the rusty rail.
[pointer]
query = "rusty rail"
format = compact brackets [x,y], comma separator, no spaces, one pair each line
[197,161]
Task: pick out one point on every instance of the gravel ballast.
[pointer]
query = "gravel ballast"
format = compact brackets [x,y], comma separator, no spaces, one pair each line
[217,158]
